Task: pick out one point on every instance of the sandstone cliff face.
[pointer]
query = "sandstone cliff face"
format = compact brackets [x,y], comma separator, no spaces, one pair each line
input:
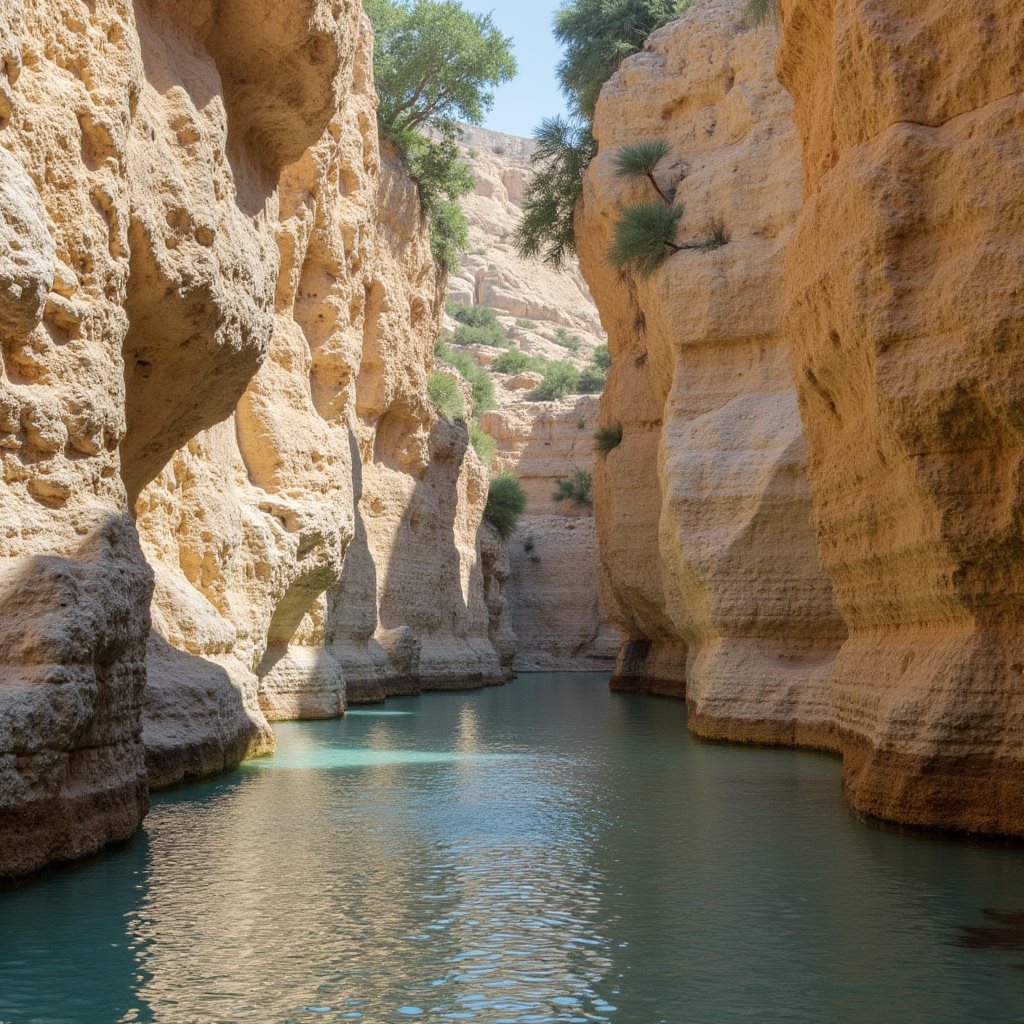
[217,308]
[709,565]
[553,601]
[904,314]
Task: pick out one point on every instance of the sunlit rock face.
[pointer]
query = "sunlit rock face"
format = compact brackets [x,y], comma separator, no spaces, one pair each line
[708,561]
[217,311]
[904,315]
[552,597]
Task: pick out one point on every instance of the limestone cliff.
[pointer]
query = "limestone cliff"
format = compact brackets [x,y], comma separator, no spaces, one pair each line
[709,565]
[553,599]
[904,313]
[217,312]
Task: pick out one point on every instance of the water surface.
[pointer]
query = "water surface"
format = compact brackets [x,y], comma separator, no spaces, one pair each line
[544,852]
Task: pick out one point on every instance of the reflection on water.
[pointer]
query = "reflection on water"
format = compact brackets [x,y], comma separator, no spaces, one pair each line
[543,852]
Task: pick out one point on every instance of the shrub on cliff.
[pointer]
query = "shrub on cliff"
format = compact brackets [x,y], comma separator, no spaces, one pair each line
[644,236]
[592,380]
[575,489]
[444,392]
[567,340]
[506,502]
[436,64]
[484,445]
[602,358]
[477,377]
[560,379]
[761,12]
[607,439]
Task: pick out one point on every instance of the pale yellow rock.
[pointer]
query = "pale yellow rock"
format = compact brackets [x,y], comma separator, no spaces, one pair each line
[904,315]
[708,485]
[184,201]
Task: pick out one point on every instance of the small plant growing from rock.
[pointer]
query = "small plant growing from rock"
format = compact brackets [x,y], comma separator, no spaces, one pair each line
[483,444]
[762,12]
[575,489]
[607,439]
[528,544]
[645,233]
[506,502]
[443,391]
[640,160]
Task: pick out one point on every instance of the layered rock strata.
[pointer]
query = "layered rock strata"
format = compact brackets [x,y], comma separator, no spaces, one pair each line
[904,314]
[217,308]
[553,597]
[709,564]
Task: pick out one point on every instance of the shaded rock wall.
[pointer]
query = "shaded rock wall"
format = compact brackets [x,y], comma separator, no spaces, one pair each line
[709,565]
[904,313]
[217,308]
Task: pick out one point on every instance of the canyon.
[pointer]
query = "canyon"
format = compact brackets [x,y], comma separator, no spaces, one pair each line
[809,529]
[228,501]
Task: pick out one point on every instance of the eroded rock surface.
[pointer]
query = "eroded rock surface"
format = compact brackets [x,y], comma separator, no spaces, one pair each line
[904,313]
[709,564]
[217,310]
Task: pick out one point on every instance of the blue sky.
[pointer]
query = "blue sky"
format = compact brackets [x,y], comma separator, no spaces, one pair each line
[534,94]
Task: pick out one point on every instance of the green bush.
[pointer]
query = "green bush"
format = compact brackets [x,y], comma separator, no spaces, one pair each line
[602,358]
[473,316]
[444,392]
[592,380]
[644,236]
[485,445]
[492,337]
[607,439]
[567,340]
[477,377]
[525,323]
[560,379]
[575,489]
[516,361]
[506,502]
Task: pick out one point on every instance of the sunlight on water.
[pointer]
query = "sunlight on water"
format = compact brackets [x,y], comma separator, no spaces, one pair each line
[543,852]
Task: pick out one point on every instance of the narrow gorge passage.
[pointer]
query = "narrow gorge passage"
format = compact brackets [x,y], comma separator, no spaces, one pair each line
[545,851]
[511,512]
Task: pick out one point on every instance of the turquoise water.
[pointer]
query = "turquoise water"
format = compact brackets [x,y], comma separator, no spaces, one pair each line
[547,851]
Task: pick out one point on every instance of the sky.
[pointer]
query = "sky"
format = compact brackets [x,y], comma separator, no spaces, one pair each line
[533,94]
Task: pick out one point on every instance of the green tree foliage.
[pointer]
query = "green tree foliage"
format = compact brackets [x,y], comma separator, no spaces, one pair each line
[602,358]
[607,439]
[436,64]
[565,147]
[641,159]
[644,236]
[575,489]
[444,392]
[515,361]
[506,502]
[598,35]
[485,445]
[478,325]
[592,379]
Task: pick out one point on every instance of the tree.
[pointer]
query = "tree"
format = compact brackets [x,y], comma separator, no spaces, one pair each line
[644,236]
[436,63]
[565,147]
[598,35]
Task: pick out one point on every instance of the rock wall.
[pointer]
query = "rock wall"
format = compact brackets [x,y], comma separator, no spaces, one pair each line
[904,312]
[709,564]
[553,599]
[217,312]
